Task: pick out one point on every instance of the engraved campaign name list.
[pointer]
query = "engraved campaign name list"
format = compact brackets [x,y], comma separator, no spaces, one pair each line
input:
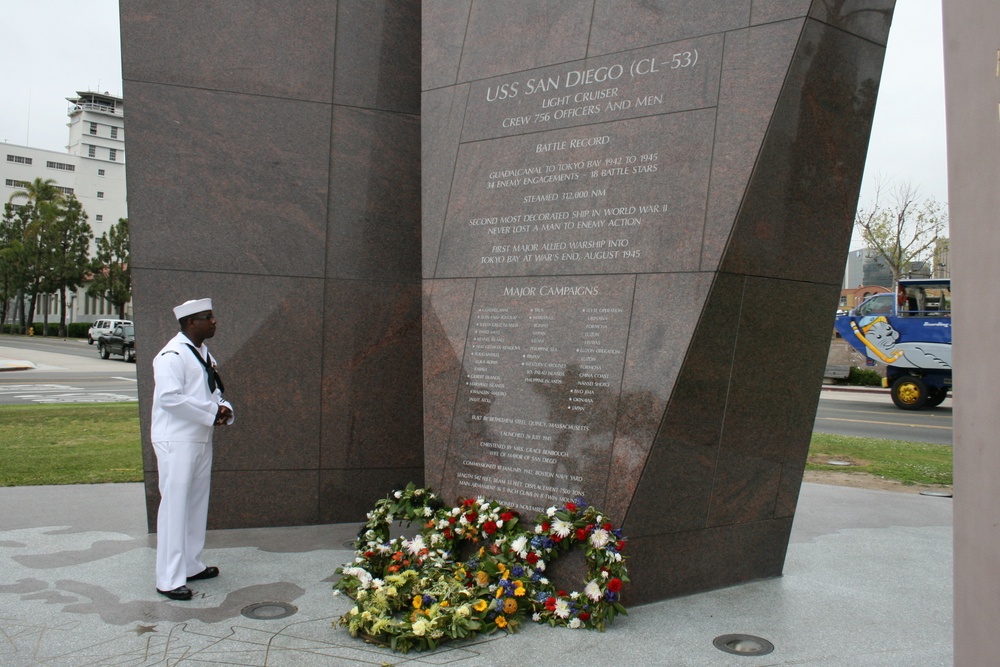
[569,181]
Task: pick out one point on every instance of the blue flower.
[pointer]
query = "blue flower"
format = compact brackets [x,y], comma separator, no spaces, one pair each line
[581,503]
[517,571]
[611,596]
[428,600]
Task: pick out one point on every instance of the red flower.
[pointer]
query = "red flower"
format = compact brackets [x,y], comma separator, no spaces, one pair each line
[507,516]
[448,534]
[561,593]
[615,584]
[490,527]
[581,534]
[532,557]
[546,526]
[471,517]
[607,526]
[571,507]
[550,604]
[584,616]
[556,539]
[620,545]
[451,520]
[468,502]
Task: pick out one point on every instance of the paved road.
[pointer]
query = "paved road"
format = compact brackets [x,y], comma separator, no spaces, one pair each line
[62,371]
[873,415]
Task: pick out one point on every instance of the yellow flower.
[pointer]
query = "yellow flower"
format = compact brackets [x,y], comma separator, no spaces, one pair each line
[444,603]
[480,605]
[417,601]
[499,592]
[510,606]
[460,574]
[501,622]
[519,589]
[482,578]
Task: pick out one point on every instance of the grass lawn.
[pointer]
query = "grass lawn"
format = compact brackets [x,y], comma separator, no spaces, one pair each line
[899,460]
[94,443]
[87,443]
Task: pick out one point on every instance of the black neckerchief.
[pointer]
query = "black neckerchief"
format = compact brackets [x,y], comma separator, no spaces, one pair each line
[213,375]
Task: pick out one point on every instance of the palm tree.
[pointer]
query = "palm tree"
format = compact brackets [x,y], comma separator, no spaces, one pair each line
[44,198]
[38,191]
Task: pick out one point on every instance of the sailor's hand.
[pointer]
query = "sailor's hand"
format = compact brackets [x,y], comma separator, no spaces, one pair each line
[224,414]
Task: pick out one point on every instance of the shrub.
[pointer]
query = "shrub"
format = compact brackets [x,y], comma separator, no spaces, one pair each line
[864,377]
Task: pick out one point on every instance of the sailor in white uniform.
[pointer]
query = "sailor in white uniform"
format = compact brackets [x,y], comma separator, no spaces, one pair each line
[187,406]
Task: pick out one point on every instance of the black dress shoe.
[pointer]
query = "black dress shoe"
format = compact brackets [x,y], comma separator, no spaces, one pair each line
[210,572]
[179,593]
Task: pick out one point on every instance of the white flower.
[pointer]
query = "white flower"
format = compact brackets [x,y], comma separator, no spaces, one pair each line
[562,609]
[562,528]
[520,546]
[416,546]
[592,590]
[336,593]
[354,611]
[536,617]
[574,595]
[463,611]
[605,574]
[538,529]
[599,538]
[455,511]
[428,511]
[543,581]
[398,494]
[419,627]
[418,492]
[575,623]
[551,511]
[377,584]
[499,523]
[362,575]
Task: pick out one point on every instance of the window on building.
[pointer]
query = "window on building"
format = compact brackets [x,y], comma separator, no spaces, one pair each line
[100,172]
[100,195]
[112,154]
[91,151]
[93,128]
[65,191]
[62,166]
[10,182]
[843,300]
[114,133]
[18,159]
[99,217]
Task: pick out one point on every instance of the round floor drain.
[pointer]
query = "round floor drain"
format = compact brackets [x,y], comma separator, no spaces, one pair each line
[743,645]
[269,611]
[936,494]
[838,463]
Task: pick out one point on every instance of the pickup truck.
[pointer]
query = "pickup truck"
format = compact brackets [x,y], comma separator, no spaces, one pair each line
[121,341]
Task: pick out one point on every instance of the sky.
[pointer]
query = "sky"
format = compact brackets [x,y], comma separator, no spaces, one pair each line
[53,48]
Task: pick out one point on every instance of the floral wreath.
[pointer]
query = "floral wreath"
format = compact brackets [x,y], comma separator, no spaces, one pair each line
[415,593]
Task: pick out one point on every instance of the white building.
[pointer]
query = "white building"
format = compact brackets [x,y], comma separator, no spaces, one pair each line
[93,168]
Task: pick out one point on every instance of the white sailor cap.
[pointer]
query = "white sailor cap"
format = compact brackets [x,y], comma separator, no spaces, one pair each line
[192,307]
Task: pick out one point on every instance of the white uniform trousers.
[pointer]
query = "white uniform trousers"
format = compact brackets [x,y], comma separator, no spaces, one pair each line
[185,476]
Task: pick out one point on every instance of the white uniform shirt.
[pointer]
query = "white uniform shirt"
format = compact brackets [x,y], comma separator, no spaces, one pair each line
[184,408]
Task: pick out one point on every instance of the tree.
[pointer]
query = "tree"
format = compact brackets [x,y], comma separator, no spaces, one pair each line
[44,201]
[12,259]
[66,244]
[898,228]
[110,268]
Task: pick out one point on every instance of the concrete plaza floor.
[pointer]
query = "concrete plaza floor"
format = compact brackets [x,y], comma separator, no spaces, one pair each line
[867,582]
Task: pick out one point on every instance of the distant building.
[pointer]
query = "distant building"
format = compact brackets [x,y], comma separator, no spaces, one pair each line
[93,168]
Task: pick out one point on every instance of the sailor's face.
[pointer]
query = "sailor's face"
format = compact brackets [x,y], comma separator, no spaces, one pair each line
[203,324]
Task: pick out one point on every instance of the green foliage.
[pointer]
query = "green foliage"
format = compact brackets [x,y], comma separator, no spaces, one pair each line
[69,444]
[864,377]
[110,268]
[899,460]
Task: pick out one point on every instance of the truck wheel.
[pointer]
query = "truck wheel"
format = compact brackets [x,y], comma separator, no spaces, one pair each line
[936,396]
[130,355]
[909,393]
[103,351]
